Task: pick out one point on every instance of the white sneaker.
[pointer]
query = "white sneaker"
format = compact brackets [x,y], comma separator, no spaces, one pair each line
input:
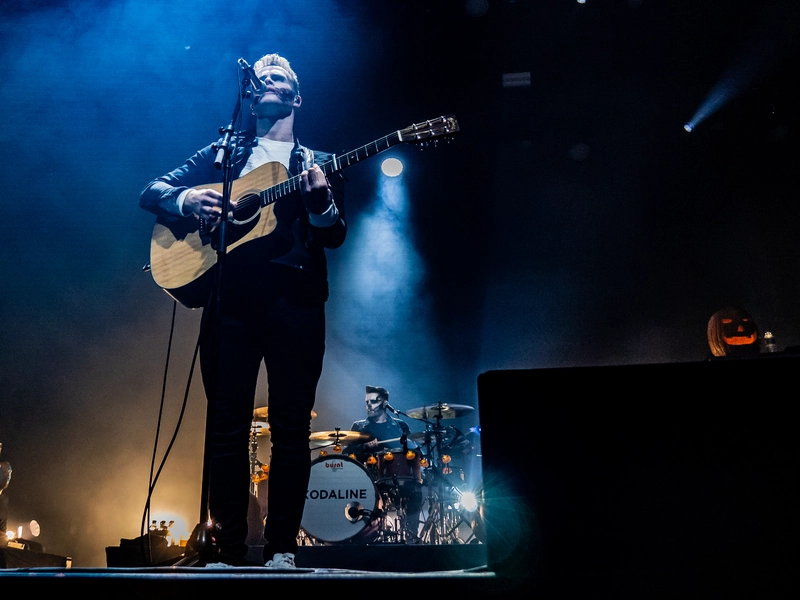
[281,560]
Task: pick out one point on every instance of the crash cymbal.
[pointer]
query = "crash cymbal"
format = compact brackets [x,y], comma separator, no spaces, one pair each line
[443,410]
[261,413]
[346,437]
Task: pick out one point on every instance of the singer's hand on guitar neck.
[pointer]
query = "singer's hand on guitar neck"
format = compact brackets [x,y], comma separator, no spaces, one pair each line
[315,190]
[205,203]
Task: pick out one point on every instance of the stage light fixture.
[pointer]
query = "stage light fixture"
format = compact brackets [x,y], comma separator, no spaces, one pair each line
[688,127]
[172,528]
[391,167]
[469,502]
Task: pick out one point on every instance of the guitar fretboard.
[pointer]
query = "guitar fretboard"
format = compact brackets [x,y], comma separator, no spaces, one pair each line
[334,165]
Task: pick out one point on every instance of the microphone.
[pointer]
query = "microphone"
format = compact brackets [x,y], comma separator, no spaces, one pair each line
[354,511]
[390,408]
[255,82]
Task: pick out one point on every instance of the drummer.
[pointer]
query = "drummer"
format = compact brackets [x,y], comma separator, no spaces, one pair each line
[389,433]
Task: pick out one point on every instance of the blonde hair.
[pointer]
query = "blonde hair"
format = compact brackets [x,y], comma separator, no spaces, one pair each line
[277,60]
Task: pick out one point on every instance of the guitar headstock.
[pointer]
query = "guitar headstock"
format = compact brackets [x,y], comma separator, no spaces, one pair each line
[431,130]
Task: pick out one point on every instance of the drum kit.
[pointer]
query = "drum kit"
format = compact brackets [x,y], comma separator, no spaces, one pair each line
[361,500]
[364,501]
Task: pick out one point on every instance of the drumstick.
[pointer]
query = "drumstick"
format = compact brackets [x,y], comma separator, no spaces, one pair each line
[387,441]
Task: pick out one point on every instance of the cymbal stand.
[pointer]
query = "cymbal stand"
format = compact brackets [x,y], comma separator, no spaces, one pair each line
[435,529]
[255,464]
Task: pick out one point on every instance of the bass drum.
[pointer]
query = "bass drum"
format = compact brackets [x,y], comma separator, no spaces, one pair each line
[342,502]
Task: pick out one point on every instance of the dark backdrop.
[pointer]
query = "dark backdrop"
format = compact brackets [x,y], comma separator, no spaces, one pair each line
[572,222]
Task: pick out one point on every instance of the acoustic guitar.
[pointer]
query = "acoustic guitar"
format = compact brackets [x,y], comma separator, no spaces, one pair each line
[183,253]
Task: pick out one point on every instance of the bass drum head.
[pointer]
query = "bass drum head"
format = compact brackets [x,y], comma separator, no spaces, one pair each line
[342,501]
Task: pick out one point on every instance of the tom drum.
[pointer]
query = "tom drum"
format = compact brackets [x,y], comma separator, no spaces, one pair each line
[397,469]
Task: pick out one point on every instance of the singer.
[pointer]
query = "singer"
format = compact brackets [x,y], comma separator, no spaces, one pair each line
[272,309]
[400,477]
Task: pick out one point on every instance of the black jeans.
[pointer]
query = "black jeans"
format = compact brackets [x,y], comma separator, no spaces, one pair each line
[290,338]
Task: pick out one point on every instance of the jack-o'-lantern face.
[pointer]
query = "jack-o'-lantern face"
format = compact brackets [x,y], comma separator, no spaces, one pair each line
[732,332]
[738,330]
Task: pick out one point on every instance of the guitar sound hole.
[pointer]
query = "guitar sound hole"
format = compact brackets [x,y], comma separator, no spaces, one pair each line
[247,208]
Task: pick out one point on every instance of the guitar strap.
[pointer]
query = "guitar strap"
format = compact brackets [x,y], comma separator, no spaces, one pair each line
[307,157]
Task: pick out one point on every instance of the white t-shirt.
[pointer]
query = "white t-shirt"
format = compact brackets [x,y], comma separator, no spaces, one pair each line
[269,151]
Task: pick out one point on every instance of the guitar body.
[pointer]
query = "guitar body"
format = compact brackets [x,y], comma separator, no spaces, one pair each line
[182,254]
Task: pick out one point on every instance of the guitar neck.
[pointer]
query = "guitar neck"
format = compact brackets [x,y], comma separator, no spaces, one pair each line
[336,164]
[432,130]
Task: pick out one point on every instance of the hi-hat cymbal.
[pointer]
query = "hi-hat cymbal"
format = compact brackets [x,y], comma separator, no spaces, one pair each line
[442,410]
[346,437]
[261,413]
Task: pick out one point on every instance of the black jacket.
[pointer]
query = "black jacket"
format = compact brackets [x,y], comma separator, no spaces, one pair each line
[295,243]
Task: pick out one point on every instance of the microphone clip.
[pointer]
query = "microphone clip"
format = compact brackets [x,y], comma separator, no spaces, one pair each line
[251,77]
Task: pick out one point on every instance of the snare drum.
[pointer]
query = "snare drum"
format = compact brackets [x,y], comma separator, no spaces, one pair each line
[342,501]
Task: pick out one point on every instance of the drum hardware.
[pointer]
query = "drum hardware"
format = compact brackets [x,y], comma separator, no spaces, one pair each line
[443,522]
[443,519]
[258,470]
[440,410]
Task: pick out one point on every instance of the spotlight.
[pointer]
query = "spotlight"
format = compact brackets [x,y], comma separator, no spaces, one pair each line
[469,502]
[688,127]
[391,167]
[23,537]
[172,528]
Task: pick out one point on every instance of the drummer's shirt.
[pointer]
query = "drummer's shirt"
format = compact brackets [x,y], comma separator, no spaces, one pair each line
[389,430]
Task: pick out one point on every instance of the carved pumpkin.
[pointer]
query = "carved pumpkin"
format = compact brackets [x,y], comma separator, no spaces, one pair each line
[732,332]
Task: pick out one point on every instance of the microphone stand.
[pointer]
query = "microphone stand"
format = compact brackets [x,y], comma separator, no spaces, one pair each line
[201,547]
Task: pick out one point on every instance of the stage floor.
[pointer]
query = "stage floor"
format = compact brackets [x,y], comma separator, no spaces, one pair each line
[324,569]
[170,582]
